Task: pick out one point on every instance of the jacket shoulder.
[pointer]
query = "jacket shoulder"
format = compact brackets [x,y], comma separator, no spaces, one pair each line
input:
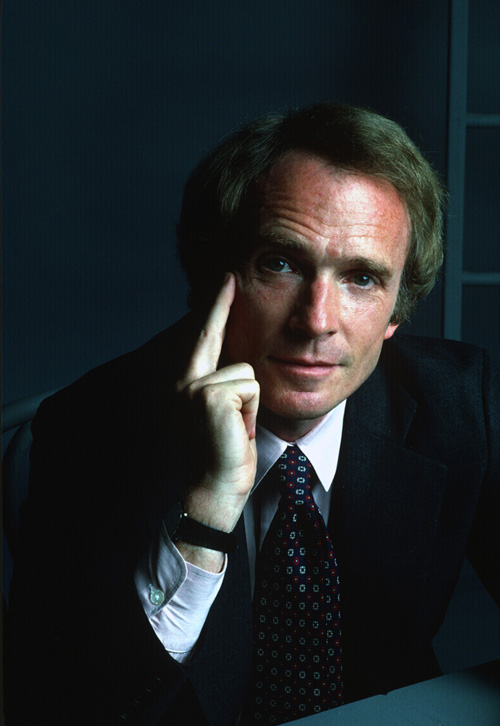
[413,348]
[436,365]
[140,376]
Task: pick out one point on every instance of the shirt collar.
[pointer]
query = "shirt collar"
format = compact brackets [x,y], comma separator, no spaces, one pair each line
[321,446]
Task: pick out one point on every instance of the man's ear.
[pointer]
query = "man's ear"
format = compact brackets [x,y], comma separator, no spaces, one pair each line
[391,329]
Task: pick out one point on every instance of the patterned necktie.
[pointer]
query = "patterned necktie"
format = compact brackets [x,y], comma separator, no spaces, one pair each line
[297,653]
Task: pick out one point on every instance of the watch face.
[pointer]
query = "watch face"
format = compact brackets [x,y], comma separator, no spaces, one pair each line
[172,520]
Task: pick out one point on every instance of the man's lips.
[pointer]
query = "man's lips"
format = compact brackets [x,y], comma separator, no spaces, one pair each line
[304,361]
[304,366]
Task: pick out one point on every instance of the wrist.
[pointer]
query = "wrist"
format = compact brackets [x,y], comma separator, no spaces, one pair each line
[213,508]
[183,527]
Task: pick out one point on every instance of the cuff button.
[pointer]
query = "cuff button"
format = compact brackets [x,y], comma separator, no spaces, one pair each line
[156,597]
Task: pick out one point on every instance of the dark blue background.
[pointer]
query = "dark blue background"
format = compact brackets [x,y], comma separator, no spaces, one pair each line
[107,107]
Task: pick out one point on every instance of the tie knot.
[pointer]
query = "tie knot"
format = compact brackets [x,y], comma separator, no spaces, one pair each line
[295,472]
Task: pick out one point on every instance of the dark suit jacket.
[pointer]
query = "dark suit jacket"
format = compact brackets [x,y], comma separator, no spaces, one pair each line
[417,489]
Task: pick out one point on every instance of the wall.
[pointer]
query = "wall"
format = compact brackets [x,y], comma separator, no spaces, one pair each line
[108,105]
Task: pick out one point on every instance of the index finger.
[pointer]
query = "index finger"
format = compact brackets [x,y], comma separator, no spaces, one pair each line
[207,350]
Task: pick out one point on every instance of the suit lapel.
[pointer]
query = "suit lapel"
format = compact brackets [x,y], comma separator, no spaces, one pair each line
[386,497]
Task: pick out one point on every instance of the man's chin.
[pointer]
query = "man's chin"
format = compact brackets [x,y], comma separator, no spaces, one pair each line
[296,407]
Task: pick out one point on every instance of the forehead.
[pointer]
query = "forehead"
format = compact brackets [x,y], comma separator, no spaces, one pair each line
[304,190]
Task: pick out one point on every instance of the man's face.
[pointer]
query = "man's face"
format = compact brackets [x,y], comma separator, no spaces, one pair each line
[314,300]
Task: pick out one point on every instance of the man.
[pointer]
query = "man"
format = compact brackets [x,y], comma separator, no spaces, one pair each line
[307,239]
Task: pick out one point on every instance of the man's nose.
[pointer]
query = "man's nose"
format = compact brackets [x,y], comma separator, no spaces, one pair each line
[317,308]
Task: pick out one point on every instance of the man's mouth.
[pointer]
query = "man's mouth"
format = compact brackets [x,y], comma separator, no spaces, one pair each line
[304,365]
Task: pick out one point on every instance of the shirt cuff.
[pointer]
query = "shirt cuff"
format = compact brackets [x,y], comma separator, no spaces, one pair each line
[176,595]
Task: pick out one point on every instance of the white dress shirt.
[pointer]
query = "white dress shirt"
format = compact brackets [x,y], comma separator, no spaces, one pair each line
[175,594]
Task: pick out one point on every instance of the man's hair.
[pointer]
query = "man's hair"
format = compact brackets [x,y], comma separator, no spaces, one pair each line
[219,215]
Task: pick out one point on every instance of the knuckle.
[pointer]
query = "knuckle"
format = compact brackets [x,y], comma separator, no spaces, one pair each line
[194,388]
[247,370]
[180,385]
[210,336]
[188,389]
[208,392]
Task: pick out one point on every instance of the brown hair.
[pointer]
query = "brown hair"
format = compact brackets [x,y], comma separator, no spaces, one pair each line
[219,210]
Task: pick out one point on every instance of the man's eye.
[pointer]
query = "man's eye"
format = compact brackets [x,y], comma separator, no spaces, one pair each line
[362,280]
[277,264]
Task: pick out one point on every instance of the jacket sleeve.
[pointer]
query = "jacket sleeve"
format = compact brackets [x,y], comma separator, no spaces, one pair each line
[80,644]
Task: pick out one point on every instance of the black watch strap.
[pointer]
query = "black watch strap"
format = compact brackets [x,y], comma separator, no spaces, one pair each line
[194,532]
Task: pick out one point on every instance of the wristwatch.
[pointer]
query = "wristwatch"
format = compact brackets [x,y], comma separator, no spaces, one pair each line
[181,527]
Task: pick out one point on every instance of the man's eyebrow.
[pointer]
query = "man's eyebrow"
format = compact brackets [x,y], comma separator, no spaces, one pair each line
[278,241]
[367,263]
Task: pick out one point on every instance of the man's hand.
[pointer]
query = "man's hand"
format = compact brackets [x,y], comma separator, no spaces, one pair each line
[224,406]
